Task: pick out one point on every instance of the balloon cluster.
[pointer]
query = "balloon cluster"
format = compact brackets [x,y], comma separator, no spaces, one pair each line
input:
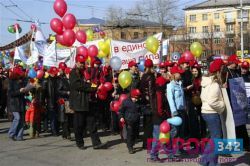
[115,105]
[103,90]
[13,28]
[164,136]
[98,30]
[64,27]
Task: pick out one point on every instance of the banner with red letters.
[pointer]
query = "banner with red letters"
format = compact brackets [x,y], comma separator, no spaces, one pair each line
[127,51]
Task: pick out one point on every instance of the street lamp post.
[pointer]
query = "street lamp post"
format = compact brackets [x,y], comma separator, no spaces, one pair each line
[241,31]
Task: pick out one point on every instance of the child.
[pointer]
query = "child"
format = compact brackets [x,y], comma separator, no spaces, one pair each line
[130,114]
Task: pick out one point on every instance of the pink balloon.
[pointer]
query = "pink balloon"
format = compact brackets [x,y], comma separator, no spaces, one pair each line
[81,36]
[60,7]
[102,34]
[164,127]
[40,74]
[69,37]
[92,51]
[108,86]
[69,21]
[122,97]
[56,25]
[82,51]
[188,56]
[33,27]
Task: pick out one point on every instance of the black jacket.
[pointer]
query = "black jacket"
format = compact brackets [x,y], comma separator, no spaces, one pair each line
[187,81]
[130,111]
[50,91]
[16,100]
[79,91]
[63,87]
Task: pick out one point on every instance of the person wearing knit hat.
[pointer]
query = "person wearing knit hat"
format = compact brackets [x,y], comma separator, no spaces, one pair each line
[130,114]
[162,113]
[84,117]
[162,69]
[245,71]
[176,100]
[133,69]
[147,88]
[212,106]
[16,100]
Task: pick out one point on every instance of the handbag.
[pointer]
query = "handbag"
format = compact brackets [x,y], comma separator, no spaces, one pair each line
[68,110]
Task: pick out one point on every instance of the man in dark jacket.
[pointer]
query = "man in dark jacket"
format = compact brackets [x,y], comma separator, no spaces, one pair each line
[51,96]
[84,118]
[130,114]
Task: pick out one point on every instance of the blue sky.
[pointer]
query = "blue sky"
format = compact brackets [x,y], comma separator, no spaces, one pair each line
[43,10]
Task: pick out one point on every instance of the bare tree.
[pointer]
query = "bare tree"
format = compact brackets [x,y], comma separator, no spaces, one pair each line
[114,15]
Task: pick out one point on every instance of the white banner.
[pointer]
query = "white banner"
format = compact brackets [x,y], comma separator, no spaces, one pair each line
[34,54]
[128,51]
[165,47]
[54,57]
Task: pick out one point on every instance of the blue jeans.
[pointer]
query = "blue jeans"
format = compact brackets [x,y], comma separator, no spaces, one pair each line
[16,128]
[156,146]
[214,126]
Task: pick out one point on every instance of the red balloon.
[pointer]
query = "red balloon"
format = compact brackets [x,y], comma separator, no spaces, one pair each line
[164,127]
[56,25]
[102,34]
[33,27]
[40,74]
[102,95]
[81,50]
[115,106]
[60,7]
[122,97]
[108,86]
[92,51]
[188,56]
[16,26]
[69,37]
[59,39]
[81,36]
[12,54]
[69,21]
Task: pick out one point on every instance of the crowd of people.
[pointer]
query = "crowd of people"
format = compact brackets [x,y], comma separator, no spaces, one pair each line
[74,99]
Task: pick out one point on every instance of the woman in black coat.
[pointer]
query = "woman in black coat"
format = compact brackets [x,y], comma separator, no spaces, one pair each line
[16,103]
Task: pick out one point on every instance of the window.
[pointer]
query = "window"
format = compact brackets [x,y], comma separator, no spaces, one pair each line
[244,26]
[205,29]
[230,28]
[217,40]
[216,15]
[136,35]
[217,28]
[205,41]
[244,14]
[123,35]
[192,40]
[229,40]
[204,17]
[154,33]
[217,52]
[192,18]
[145,34]
[205,53]
[192,29]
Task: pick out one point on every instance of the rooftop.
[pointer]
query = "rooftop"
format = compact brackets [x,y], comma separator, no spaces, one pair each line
[217,4]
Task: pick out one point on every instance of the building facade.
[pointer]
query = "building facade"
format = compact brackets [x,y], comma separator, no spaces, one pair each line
[216,25]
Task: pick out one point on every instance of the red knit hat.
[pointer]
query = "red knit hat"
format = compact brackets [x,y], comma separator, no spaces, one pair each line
[160,81]
[245,65]
[193,62]
[176,69]
[53,71]
[215,66]
[67,70]
[62,66]
[182,60]
[233,59]
[162,65]
[131,64]
[169,64]
[135,93]
[148,63]
[80,58]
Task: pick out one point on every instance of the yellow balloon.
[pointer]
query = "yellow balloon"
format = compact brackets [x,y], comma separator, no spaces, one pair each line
[164,138]
[90,35]
[196,49]
[46,75]
[152,44]
[104,47]
[124,79]
[101,54]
